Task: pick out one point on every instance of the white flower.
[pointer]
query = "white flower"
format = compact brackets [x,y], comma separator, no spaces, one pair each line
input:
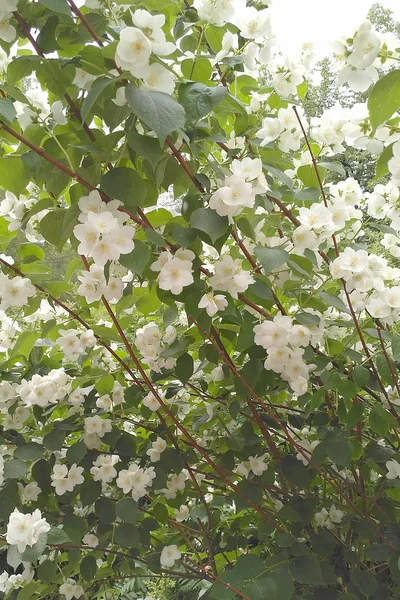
[30,492]
[57,113]
[212,303]
[175,275]
[7,31]
[151,402]
[257,464]
[90,540]
[15,291]
[170,335]
[24,530]
[169,555]
[230,277]
[120,97]
[366,46]
[253,23]
[230,199]
[157,448]
[270,130]
[393,468]
[133,49]
[70,589]
[151,26]
[217,374]
[157,78]
[182,513]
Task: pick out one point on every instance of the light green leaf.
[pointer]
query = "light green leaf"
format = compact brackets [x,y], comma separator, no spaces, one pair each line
[384,99]
[159,111]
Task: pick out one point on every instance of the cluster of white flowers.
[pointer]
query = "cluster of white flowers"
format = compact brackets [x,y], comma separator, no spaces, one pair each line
[366,276]
[107,401]
[103,468]
[9,331]
[175,484]
[13,210]
[383,203]
[64,480]
[43,390]
[329,519]
[74,343]
[319,222]
[95,429]
[157,448]
[102,232]
[256,464]
[15,291]
[94,285]
[151,343]
[12,582]
[238,191]
[229,276]
[285,343]
[175,270]
[24,530]
[356,60]
[136,46]
[169,555]
[70,589]
[136,480]
[308,441]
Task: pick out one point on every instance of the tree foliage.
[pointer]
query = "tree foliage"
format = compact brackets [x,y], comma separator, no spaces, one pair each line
[205,390]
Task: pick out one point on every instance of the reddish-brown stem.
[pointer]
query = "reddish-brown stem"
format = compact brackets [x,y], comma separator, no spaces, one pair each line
[184,165]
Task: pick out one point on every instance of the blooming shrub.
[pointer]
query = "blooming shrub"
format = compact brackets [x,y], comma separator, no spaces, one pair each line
[209,392]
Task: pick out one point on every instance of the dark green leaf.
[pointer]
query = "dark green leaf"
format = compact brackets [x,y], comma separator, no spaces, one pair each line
[306,569]
[7,110]
[95,91]
[88,567]
[146,146]
[198,99]
[137,260]
[14,469]
[58,6]
[124,184]
[127,535]
[126,510]
[29,451]
[57,536]
[184,367]
[207,220]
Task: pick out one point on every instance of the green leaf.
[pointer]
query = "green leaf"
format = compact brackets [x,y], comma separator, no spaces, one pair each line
[137,260]
[260,589]
[58,6]
[384,99]
[7,110]
[366,582]
[271,258]
[88,567]
[14,469]
[54,440]
[29,451]
[250,565]
[159,111]
[46,39]
[21,67]
[208,221]
[57,536]
[396,347]
[32,553]
[197,69]
[333,166]
[52,227]
[339,449]
[124,184]
[55,76]
[361,376]
[184,367]
[95,91]
[146,146]
[76,452]
[127,535]
[382,165]
[381,421]
[14,175]
[47,571]
[335,301]
[126,510]
[198,99]
[90,492]
[306,569]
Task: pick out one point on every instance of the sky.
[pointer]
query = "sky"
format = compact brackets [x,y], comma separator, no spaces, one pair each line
[321,21]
